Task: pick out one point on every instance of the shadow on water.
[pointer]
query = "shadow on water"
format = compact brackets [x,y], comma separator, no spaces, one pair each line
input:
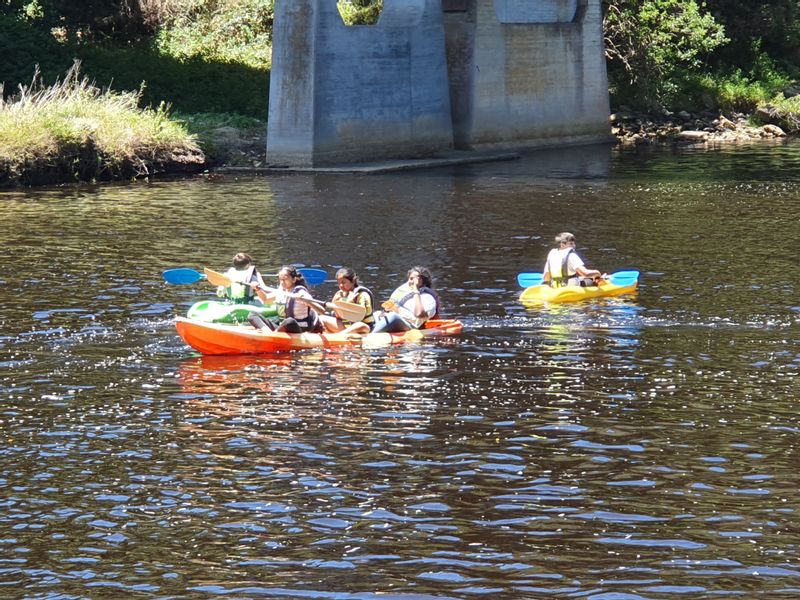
[641,446]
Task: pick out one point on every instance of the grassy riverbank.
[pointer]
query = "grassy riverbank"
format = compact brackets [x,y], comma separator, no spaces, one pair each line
[73,131]
[676,72]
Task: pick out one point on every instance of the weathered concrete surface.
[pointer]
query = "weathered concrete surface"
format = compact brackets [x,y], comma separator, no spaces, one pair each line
[345,94]
[454,157]
[526,73]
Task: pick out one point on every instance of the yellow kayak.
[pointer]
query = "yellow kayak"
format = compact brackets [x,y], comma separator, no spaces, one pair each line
[538,294]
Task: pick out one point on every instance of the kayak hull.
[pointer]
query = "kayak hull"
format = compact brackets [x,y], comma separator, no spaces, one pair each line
[538,294]
[213,311]
[222,338]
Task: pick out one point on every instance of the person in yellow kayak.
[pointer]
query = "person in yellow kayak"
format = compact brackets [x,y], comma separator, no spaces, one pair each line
[350,290]
[296,315]
[411,305]
[242,274]
[564,267]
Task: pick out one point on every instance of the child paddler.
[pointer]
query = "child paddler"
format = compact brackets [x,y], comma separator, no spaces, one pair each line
[411,305]
[350,290]
[296,316]
[242,274]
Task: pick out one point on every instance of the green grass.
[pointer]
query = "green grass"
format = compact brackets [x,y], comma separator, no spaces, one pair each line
[737,92]
[785,112]
[73,130]
[189,80]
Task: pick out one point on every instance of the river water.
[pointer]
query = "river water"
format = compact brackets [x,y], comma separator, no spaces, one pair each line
[641,447]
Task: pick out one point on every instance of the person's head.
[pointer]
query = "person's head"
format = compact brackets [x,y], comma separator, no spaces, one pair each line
[565,239]
[347,279]
[242,260]
[289,277]
[420,276]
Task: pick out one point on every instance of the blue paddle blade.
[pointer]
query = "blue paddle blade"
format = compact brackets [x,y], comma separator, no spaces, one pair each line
[623,277]
[528,279]
[314,276]
[181,276]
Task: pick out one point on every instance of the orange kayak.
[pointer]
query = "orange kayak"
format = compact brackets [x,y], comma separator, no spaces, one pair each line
[220,338]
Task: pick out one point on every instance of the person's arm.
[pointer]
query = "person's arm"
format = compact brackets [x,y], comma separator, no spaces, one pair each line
[411,308]
[577,265]
[417,308]
[266,295]
[546,270]
[266,298]
[590,273]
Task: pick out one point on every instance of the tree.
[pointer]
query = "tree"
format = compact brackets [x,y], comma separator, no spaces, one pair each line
[650,42]
[771,27]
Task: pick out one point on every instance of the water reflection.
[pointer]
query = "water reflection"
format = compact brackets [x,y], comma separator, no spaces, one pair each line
[641,446]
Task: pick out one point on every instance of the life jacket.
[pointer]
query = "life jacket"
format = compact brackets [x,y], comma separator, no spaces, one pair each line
[369,318]
[240,291]
[404,294]
[561,279]
[286,309]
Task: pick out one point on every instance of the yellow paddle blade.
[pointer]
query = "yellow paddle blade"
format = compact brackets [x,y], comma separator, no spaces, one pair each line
[349,311]
[376,340]
[215,278]
[315,304]
[414,335]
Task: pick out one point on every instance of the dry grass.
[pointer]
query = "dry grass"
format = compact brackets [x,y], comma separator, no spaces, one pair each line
[103,134]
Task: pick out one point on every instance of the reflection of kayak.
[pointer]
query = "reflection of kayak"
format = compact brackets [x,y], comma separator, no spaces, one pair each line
[221,338]
[544,293]
[213,311]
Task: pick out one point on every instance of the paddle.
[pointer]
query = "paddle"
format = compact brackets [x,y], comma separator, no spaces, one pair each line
[526,280]
[384,338]
[348,311]
[183,276]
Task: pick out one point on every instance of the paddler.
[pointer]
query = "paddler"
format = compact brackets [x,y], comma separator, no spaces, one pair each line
[350,290]
[297,316]
[565,268]
[411,305]
[242,274]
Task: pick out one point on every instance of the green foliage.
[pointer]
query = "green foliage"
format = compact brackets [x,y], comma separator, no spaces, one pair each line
[360,12]
[732,92]
[241,33]
[756,26]
[193,84]
[784,111]
[189,84]
[85,20]
[650,42]
[199,122]
[22,47]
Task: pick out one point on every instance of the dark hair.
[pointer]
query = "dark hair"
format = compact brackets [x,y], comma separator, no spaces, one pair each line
[294,274]
[242,260]
[348,274]
[424,274]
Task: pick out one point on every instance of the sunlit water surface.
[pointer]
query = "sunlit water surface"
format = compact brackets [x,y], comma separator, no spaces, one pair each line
[643,447]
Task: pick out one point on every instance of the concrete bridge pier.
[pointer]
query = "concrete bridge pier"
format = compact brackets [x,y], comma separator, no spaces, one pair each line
[342,94]
[526,72]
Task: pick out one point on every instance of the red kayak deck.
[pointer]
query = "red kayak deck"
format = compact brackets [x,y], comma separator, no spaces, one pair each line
[220,338]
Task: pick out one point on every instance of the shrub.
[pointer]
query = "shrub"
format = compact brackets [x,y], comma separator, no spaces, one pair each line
[360,12]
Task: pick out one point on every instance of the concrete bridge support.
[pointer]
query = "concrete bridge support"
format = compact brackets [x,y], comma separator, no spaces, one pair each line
[526,72]
[343,94]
